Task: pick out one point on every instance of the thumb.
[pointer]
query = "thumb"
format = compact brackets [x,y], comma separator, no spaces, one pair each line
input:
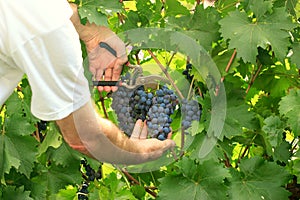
[167,144]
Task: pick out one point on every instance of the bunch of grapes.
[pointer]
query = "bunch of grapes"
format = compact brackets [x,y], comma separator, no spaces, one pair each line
[140,103]
[121,106]
[89,174]
[155,107]
[163,107]
[190,111]
[83,192]
[187,71]
[42,126]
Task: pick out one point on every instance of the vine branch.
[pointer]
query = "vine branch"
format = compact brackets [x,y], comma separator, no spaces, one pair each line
[36,134]
[166,73]
[101,99]
[1,109]
[253,78]
[169,62]
[229,63]
[227,161]
[136,182]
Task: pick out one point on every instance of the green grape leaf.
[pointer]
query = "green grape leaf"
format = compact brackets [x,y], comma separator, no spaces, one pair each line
[70,192]
[18,152]
[53,139]
[113,188]
[64,155]
[246,35]
[276,80]
[26,148]
[260,8]
[290,107]
[295,58]
[296,164]
[53,178]
[13,103]
[9,156]
[196,145]
[237,114]
[225,6]
[138,191]
[109,7]
[27,93]
[91,13]
[291,6]
[18,124]
[96,11]
[222,60]
[196,181]
[282,152]
[145,11]
[274,128]
[11,192]
[258,179]
[174,7]
[204,26]
[237,117]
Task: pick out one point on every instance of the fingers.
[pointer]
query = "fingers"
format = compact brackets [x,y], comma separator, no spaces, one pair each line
[168,144]
[144,132]
[140,130]
[108,77]
[169,135]
[137,130]
[99,76]
[116,72]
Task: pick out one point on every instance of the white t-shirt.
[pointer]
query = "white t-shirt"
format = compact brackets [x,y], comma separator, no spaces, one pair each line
[38,39]
[31,18]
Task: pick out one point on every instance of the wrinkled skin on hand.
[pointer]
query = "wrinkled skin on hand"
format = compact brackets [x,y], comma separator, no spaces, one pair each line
[102,63]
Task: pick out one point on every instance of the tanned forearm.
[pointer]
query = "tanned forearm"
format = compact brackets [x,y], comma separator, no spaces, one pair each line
[89,30]
[99,138]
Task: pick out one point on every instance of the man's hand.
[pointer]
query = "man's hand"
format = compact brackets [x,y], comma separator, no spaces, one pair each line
[85,131]
[153,147]
[102,63]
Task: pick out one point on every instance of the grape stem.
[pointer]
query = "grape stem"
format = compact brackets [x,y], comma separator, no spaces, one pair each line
[101,99]
[191,87]
[36,134]
[253,78]
[166,73]
[200,92]
[229,63]
[182,142]
[1,108]
[169,62]
[137,58]
[227,161]
[136,182]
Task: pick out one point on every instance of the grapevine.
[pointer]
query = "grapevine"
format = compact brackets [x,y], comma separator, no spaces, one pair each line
[255,46]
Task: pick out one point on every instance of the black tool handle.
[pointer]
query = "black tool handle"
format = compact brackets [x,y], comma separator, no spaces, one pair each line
[106,83]
[108,48]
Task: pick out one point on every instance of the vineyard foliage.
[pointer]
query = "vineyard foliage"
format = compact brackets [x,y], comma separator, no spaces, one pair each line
[255,45]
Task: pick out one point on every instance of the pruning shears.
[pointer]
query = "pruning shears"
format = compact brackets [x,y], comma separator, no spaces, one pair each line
[136,79]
